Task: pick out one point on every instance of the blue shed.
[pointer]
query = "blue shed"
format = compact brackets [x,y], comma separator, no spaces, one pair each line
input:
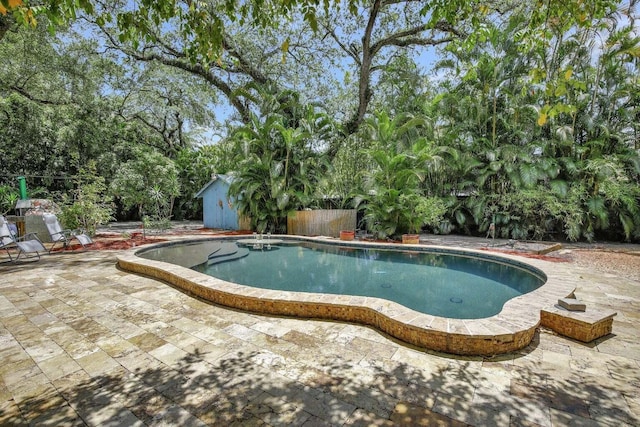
[218,208]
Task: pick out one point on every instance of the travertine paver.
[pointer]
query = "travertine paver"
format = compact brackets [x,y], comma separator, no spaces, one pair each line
[82,343]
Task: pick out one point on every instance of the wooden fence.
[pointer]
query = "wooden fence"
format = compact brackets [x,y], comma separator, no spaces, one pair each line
[321,222]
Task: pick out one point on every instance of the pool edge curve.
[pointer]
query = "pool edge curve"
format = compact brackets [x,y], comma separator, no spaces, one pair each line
[510,330]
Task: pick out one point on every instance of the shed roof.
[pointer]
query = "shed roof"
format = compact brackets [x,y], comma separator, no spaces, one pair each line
[228,179]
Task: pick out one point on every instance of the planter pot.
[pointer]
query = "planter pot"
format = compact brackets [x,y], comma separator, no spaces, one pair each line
[411,239]
[347,235]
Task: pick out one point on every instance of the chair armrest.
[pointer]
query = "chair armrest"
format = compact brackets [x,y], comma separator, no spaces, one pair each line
[66,232]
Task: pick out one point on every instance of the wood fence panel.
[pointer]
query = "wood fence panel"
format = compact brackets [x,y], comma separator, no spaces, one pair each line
[321,222]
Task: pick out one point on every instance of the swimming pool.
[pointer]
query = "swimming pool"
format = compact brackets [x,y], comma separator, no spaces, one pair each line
[441,284]
[511,329]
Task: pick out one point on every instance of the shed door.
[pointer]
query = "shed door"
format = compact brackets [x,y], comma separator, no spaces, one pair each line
[228,218]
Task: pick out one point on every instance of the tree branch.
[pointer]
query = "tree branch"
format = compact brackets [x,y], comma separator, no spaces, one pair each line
[199,70]
[342,46]
[404,38]
[179,61]
[30,97]
[245,65]
[390,2]
[364,81]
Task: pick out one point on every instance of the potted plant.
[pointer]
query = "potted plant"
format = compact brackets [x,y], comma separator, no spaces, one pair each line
[347,235]
[410,239]
[409,222]
[425,211]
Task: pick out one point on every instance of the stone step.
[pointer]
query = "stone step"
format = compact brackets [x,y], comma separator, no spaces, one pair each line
[572,304]
[584,326]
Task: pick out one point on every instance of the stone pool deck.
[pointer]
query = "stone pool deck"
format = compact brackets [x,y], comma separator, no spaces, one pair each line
[83,343]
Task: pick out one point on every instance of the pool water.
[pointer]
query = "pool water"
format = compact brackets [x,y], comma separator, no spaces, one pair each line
[439,284]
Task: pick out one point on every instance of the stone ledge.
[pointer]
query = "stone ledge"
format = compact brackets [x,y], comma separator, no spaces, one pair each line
[584,326]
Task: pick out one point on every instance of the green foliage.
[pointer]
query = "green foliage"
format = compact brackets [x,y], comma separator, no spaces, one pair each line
[567,176]
[530,214]
[148,182]
[195,168]
[392,213]
[393,196]
[533,123]
[8,198]
[397,92]
[280,169]
[155,223]
[429,212]
[391,193]
[386,213]
[90,205]
[346,172]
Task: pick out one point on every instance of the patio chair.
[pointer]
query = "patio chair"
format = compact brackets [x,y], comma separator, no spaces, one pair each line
[64,236]
[29,245]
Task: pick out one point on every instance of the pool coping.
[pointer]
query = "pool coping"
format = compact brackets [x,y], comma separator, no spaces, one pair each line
[510,330]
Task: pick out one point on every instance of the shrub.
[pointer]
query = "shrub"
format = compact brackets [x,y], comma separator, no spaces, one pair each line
[89,207]
[8,199]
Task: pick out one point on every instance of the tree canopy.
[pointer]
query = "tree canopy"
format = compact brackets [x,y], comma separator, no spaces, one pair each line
[202,38]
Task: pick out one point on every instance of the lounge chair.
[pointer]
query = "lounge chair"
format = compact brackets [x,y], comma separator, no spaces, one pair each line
[60,235]
[29,244]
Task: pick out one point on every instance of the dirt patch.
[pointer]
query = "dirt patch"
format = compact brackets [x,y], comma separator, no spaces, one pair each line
[123,244]
[120,241]
[612,262]
[112,241]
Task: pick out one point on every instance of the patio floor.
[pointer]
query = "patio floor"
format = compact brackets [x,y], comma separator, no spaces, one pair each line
[82,343]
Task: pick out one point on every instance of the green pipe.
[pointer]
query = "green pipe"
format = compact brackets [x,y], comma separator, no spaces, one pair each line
[22,182]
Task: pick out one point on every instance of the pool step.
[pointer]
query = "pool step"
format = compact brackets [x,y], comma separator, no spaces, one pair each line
[224,249]
[227,254]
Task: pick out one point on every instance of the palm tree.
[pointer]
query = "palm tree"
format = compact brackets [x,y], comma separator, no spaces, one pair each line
[280,168]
